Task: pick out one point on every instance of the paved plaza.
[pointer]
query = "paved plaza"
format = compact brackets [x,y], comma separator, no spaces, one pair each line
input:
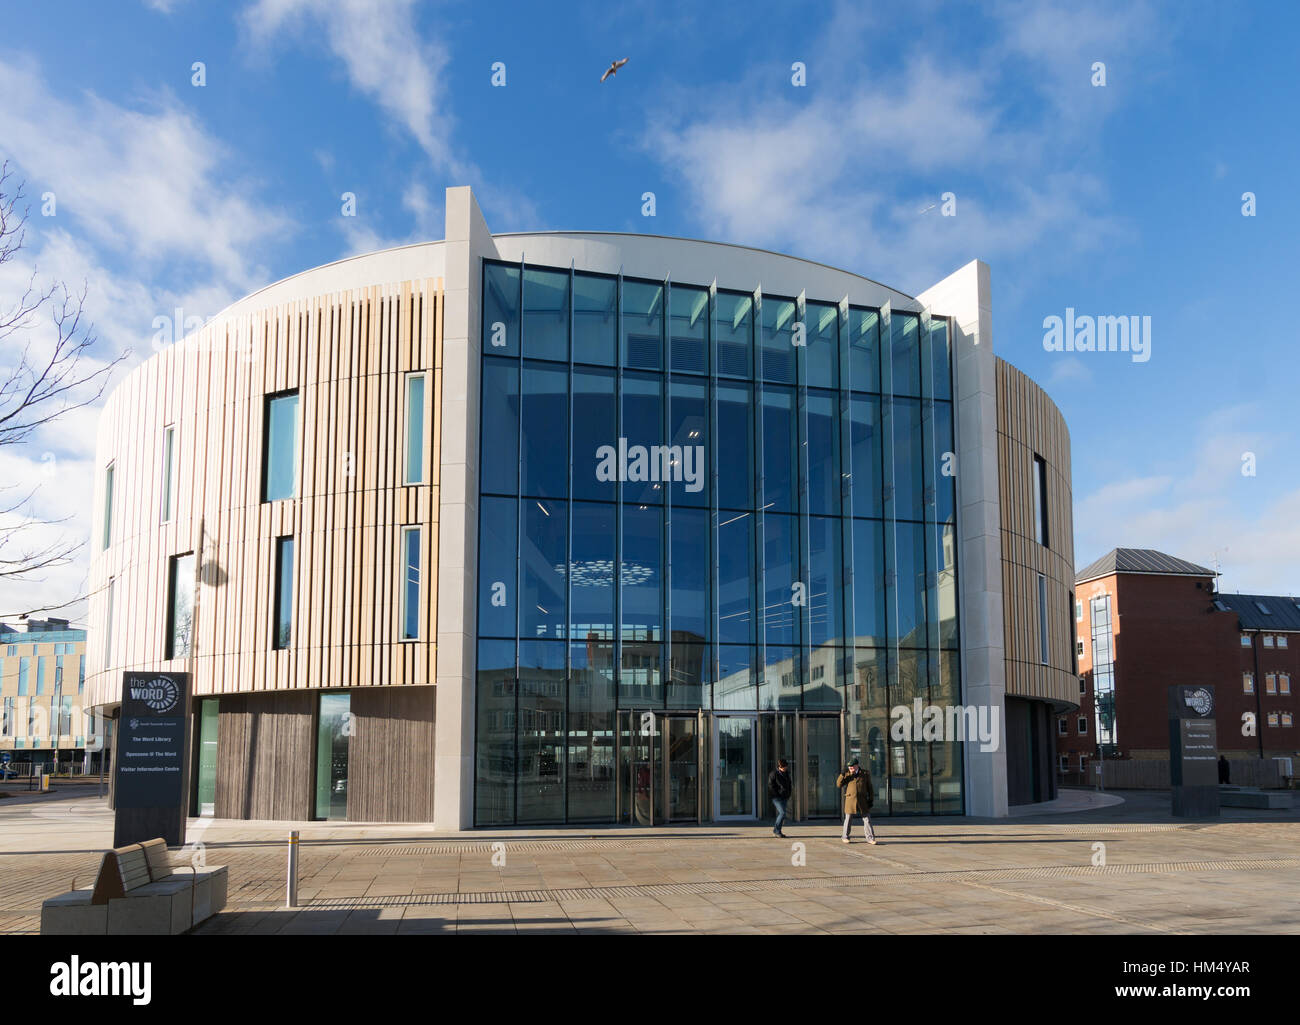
[1026,874]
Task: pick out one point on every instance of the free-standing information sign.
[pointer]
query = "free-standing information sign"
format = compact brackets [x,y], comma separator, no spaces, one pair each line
[152,743]
[1193,751]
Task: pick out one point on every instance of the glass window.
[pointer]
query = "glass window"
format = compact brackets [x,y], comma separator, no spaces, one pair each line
[546,314]
[641,573]
[1268,640]
[108,631]
[734,689]
[595,318]
[735,449]
[542,687]
[643,429]
[280,458]
[823,339]
[1042,619]
[590,774]
[905,354]
[1040,500]
[595,425]
[206,783]
[824,479]
[168,471]
[108,505]
[591,581]
[780,450]
[643,324]
[24,670]
[908,623]
[825,590]
[690,673]
[499,461]
[415,428]
[1248,683]
[688,557]
[945,465]
[497,567]
[937,361]
[908,463]
[781,617]
[180,605]
[544,466]
[735,578]
[690,329]
[688,433]
[410,583]
[41,660]
[780,686]
[864,349]
[283,635]
[942,541]
[865,445]
[735,335]
[494,751]
[778,340]
[542,558]
[500,309]
[333,737]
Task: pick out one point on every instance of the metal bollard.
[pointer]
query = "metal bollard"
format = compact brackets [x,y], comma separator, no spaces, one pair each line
[291,900]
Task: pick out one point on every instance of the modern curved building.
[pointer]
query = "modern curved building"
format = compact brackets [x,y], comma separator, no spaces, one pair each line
[588,527]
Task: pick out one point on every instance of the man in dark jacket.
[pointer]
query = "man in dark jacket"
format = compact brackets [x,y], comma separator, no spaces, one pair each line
[779,789]
[859,796]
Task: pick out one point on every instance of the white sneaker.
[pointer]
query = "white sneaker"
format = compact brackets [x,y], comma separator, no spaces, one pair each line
[845,839]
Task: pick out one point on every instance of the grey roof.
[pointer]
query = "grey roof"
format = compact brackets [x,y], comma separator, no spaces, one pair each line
[1283,612]
[1140,560]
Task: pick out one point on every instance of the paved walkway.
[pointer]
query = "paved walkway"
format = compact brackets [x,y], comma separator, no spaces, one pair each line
[1028,874]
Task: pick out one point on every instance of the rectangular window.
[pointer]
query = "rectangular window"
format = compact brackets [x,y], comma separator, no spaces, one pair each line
[81,673]
[1062,728]
[1083,685]
[1286,718]
[1248,683]
[108,505]
[1078,611]
[1078,648]
[1268,640]
[7,723]
[1272,718]
[108,630]
[180,605]
[411,583]
[40,674]
[1270,684]
[280,446]
[415,429]
[1083,763]
[332,751]
[1042,619]
[283,635]
[1065,763]
[1245,640]
[1083,724]
[1040,500]
[1284,683]
[24,671]
[168,471]
[1281,640]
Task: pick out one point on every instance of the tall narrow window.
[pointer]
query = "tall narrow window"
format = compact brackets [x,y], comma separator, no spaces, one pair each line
[108,505]
[411,584]
[108,630]
[415,429]
[24,669]
[1040,500]
[168,471]
[283,635]
[280,447]
[40,674]
[1042,619]
[180,606]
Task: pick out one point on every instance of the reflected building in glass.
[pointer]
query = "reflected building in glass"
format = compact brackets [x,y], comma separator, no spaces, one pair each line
[635,517]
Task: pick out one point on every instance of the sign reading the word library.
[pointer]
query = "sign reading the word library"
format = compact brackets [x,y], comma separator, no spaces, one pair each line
[151,748]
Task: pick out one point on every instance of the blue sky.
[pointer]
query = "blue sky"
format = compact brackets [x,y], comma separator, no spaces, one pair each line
[1116,200]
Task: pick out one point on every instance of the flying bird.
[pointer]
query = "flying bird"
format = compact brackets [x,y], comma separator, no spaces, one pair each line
[613,69]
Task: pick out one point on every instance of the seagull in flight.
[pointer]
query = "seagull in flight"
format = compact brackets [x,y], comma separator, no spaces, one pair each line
[613,68]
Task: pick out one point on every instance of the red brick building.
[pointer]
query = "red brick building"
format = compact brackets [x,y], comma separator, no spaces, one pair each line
[1145,621]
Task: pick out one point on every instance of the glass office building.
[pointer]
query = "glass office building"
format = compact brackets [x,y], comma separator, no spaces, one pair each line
[716,528]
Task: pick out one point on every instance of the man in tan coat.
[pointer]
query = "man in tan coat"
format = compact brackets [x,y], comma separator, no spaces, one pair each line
[859,796]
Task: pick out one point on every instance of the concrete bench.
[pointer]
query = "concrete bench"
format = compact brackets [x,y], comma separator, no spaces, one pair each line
[138,891]
[1240,797]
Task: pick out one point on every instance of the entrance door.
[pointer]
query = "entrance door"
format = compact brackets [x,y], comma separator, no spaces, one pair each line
[821,766]
[733,744]
[680,775]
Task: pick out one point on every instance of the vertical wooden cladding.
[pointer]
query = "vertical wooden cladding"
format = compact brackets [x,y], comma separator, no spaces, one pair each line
[347,355]
[265,757]
[390,758]
[1029,424]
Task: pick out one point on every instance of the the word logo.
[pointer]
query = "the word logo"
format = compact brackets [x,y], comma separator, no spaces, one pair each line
[1199,700]
[161,694]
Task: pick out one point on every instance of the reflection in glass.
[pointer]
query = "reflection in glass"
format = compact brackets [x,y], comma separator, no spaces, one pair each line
[690,329]
[643,324]
[823,342]
[824,480]
[688,434]
[905,353]
[735,686]
[781,614]
[735,335]
[688,557]
[542,611]
[780,449]
[544,464]
[595,318]
[541,732]
[778,340]
[590,772]
[865,445]
[332,738]
[735,461]
[735,754]
[499,462]
[494,746]
[546,314]
[908,466]
[864,349]
[592,571]
[180,616]
[497,597]
[869,582]
[500,309]
[280,466]
[643,429]
[595,424]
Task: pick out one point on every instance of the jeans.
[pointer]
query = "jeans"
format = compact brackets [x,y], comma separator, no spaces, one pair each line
[866,827]
[780,803]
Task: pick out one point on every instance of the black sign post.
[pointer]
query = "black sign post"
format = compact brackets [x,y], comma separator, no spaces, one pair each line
[1193,752]
[152,741]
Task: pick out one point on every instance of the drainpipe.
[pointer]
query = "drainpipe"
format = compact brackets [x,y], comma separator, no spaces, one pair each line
[1259,685]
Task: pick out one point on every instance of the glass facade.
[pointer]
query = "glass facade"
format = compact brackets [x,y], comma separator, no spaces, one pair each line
[720,509]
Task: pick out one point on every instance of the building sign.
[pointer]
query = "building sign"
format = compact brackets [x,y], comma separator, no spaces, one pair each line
[1193,751]
[151,750]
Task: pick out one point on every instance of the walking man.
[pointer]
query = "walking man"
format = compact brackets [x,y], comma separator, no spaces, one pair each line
[779,789]
[859,796]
